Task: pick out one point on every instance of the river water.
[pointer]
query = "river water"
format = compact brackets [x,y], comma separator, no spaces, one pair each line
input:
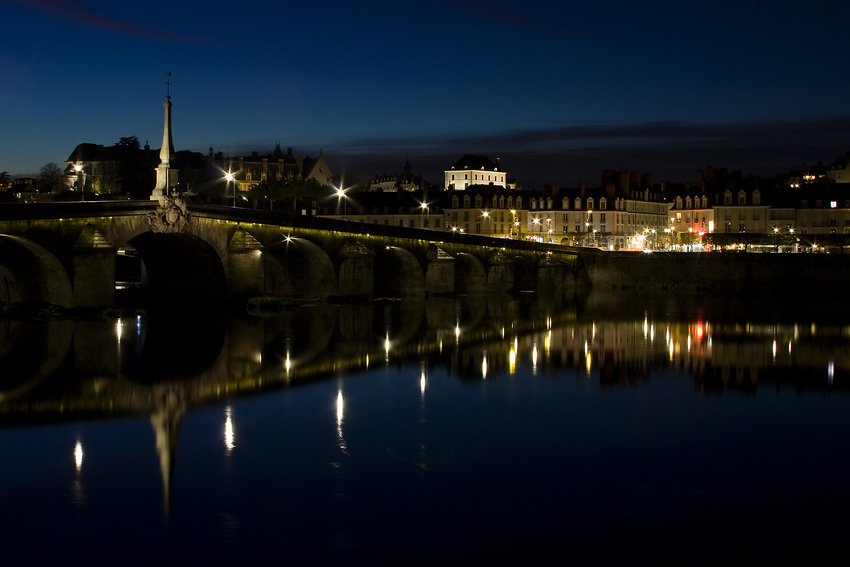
[622,427]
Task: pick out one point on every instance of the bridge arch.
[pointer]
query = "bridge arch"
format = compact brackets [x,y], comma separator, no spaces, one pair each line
[297,267]
[29,273]
[179,266]
[398,273]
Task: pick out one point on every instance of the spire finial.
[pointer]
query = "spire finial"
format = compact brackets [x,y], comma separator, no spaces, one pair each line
[168,85]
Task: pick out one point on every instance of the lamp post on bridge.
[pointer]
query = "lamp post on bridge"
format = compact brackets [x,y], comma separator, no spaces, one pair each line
[229,178]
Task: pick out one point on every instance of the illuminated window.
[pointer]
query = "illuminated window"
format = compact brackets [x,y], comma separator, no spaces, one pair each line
[833,204]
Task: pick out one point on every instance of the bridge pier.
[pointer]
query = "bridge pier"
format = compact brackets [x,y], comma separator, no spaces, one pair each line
[246,272]
[356,273]
[94,269]
[439,271]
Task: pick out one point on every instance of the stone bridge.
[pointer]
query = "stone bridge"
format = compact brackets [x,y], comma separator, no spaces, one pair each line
[66,254]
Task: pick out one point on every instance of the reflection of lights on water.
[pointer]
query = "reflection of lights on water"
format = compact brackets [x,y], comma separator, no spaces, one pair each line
[228,430]
[118,330]
[367,361]
[593,332]
[587,362]
[339,408]
[671,350]
[422,382]
[789,347]
[512,361]
[689,343]
[457,332]
[78,455]
[586,348]
[548,342]
[287,364]
[774,349]
[830,372]
[534,356]
[652,333]
[387,345]
[484,367]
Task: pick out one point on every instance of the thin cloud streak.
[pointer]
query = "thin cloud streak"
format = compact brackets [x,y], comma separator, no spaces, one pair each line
[75,12]
[671,150]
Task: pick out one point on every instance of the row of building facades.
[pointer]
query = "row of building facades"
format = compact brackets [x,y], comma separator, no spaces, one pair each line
[626,211]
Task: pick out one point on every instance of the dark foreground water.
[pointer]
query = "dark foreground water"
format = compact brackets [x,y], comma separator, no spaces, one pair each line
[639,429]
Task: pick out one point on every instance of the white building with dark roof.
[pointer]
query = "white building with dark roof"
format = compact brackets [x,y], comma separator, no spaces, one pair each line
[475,170]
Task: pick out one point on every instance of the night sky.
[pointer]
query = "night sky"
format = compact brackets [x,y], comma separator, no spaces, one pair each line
[557,90]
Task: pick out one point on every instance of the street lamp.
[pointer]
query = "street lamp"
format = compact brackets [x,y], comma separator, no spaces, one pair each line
[229,177]
[486,215]
[340,193]
[537,222]
[80,183]
[549,228]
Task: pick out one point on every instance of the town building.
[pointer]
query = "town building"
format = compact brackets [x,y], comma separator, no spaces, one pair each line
[247,171]
[406,181]
[474,170]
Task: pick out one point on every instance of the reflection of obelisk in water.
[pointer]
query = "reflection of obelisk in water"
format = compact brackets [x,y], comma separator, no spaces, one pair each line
[165,176]
[170,403]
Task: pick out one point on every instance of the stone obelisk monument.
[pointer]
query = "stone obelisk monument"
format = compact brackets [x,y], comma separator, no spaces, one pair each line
[166,177]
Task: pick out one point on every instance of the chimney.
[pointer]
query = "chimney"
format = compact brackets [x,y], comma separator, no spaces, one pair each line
[610,191]
[624,181]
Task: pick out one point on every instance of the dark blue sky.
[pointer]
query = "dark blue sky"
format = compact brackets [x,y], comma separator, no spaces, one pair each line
[558,90]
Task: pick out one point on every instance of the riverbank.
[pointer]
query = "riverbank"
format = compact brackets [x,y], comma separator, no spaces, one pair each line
[717,272]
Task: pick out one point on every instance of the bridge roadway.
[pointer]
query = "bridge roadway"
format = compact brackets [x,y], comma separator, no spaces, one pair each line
[65,254]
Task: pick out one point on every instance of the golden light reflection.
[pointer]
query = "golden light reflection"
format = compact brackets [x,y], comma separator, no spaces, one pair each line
[387,345]
[339,410]
[587,362]
[512,361]
[422,382]
[645,327]
[457,332]
[484,367]
[534,356]
[78,455]
[228,430]
[288,363]
[118,330]
[547,344]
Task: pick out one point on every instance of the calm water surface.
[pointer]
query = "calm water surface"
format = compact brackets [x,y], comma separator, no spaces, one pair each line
[627,427]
